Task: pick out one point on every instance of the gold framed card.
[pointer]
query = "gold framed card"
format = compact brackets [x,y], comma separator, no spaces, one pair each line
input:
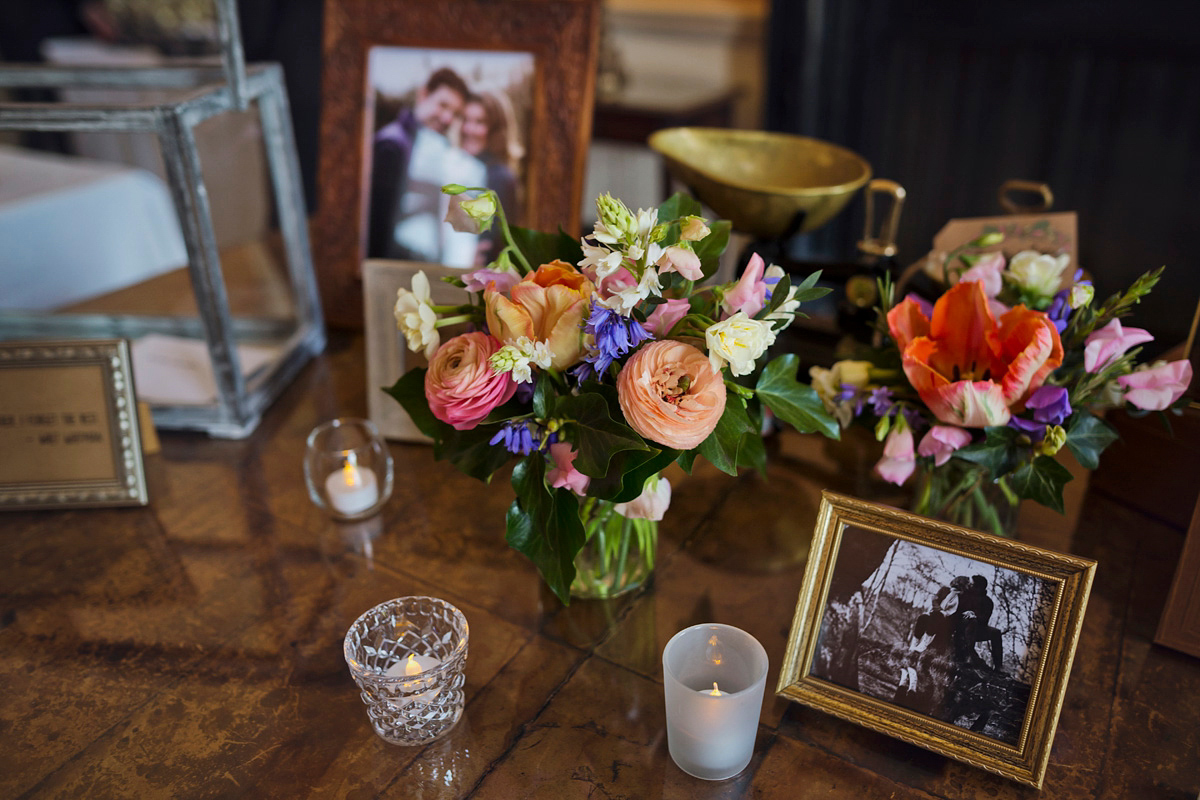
[951,639]
[68,425]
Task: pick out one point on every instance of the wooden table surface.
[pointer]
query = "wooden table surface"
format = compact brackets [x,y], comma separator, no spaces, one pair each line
[193,648]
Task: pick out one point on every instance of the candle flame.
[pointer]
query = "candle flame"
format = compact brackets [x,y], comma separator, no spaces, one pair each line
[350,474]
[715,691]
[411,667]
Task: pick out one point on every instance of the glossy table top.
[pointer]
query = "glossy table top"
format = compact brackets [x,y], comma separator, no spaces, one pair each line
[193,648]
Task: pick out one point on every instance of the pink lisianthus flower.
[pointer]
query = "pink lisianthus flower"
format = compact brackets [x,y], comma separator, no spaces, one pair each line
[652,503]
[1110,343]
[987,271]
[461,386]
[898,460]
[494,279]
[1157,387]
[942,441]
[749,294]
[665,316]
[563,474]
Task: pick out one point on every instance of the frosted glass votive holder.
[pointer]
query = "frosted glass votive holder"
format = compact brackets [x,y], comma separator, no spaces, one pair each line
[713,677]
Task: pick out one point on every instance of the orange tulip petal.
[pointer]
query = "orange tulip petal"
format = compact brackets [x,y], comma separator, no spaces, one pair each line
[506,320]
[961,321]
[1029,345]
[906,321]
[970,404]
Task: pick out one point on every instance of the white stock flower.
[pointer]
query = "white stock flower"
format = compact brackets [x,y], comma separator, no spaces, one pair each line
[787,309]
[624,300]
[1037,272]
[738,342]
[416,318]
[518,356]
[603,260]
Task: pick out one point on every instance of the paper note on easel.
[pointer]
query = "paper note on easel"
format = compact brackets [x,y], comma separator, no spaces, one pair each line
[171,370]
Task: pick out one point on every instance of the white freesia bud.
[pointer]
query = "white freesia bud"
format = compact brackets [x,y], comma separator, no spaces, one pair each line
[1081,295]
[738,342]
[416,318]
[693,229]
[473,215]
[1037,272]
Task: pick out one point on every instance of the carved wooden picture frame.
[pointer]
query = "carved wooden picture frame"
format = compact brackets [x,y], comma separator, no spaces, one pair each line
[954,640]
[561,35]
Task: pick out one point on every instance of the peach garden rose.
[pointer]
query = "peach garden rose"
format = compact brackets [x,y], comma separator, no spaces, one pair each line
[671,394]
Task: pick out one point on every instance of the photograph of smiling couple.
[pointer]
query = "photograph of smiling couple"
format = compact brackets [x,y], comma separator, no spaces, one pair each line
[436,117]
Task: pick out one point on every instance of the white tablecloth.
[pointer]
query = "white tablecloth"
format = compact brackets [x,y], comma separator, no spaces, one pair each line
[72,228]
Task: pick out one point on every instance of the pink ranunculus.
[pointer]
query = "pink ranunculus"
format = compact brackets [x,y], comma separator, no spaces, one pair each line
[497,280]
[563,474]
[898,460]
[1110,343]
[461,386]
[1156,388]
[652,503]
[548,305]
[671,395]
[987,270]
[681,260]
[665,315]
[750,293]
[942,441]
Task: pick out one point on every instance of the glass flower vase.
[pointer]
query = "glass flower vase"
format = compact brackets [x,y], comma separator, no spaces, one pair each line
[617,555]
[965,494]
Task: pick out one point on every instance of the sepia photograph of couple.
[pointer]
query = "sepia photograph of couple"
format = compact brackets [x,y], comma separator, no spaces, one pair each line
[435,117]
[935,632]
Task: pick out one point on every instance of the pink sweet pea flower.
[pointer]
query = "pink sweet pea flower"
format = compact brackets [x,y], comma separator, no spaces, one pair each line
[1157,387]
[563,474]
[750,293]
[681,260]
[942,441]
[987,271]
[898,460]
[499,281]
[1110,343]
[665,315]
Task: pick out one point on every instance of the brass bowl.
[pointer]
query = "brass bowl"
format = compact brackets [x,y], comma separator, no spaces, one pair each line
[760,181]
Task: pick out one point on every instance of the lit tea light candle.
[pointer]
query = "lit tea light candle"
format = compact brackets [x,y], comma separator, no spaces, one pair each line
[711,731]
[352,489]
[411,667]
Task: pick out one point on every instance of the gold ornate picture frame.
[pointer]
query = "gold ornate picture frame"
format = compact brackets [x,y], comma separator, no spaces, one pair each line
[562,36]
[69,426]
[951,639]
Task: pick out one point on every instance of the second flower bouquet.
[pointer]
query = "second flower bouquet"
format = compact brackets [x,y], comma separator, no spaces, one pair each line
[596,363]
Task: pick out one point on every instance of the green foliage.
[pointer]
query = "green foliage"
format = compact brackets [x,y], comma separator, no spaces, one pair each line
[710,248]
[544,525]
[1041,480]
[999,452]
[595,434]
[542,248]
[1087,437]
[793,402]
[723,445]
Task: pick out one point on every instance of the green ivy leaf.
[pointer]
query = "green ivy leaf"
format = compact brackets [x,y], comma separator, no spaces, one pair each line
[543,395]
[542,248]
[595,434]
[723,444]
[793,402]
[543,524]
[710,248]
[1041,480]
[1087,437]
[627,474]
[686,460]
[679,205]
[999,452]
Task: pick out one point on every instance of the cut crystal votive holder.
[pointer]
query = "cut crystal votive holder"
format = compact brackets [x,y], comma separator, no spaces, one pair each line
[408,657]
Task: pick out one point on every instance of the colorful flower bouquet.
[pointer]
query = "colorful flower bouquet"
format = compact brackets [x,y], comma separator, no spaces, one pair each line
[994,377]
[596,364]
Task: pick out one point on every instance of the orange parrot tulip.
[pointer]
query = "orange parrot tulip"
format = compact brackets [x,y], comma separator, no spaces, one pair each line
[972,369]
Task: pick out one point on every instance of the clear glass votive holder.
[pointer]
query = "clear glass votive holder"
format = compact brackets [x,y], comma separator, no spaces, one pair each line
[713,678]
[408,657]
[348,468]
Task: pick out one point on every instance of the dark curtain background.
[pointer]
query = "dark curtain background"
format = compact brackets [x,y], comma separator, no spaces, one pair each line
[1101,100]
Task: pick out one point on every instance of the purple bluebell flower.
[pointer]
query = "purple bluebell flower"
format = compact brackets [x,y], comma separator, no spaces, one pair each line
[850,392]
[1059,310]
[517,437]
[770,285]
[1035,430]
[524,393]
[614,335]
[881,401]
[1050,405]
